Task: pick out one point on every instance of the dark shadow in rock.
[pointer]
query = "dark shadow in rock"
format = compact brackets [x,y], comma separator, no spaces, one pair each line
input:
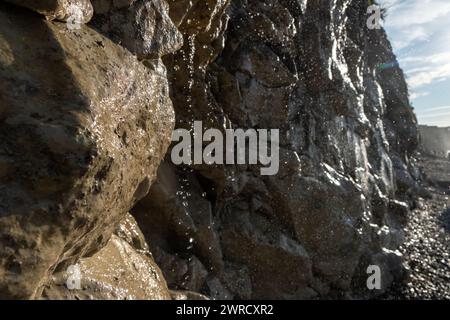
[142,27]
[445,219]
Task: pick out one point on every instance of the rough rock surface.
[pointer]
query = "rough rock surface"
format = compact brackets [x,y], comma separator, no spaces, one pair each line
[62,10]
[122,270]
[83,127]
[80,145]
[334,89]
[142,26]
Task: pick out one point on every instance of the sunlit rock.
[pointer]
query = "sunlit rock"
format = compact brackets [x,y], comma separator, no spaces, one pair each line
[84,126]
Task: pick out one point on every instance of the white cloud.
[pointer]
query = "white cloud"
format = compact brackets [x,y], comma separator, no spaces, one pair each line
[416,95]
[433,74]
[407,13]
[419,31]
[415,33]
[438,58]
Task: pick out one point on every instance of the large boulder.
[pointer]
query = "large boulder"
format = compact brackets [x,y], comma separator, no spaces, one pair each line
[83,127]
[123,270]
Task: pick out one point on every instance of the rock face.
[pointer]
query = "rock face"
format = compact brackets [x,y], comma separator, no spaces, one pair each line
[143,27]
[86,118]
[435,141]
[83,127]
[122,270]
[334,89]
[62,10]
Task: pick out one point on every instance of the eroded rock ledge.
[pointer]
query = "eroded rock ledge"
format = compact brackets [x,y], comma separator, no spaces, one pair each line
[86,118]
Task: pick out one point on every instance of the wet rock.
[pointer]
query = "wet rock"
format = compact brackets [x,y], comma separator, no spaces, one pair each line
[202,24]
[143,27]
[347,134]
[330,229]
[268,262]
[129,231]
[63,10]
[197,16]
[187,295]
[123,270]
[104,6]
[116,272]
[79,145]
[182,272]
[175,220]
[236,278]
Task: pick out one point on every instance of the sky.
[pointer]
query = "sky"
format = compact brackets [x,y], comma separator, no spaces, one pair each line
[419,31]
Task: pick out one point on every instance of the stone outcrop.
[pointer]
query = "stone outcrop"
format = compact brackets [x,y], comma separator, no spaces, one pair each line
[142,26]
[83,127]
[123,270]
[335,91]
[80,11]
[81,143]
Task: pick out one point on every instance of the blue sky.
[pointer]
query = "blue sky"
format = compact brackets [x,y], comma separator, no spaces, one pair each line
[420,34]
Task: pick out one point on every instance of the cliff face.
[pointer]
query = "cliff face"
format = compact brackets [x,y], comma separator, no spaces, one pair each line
[315,71]
[309,68]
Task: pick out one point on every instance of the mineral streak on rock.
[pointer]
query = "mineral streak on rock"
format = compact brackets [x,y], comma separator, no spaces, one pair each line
[123,270]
